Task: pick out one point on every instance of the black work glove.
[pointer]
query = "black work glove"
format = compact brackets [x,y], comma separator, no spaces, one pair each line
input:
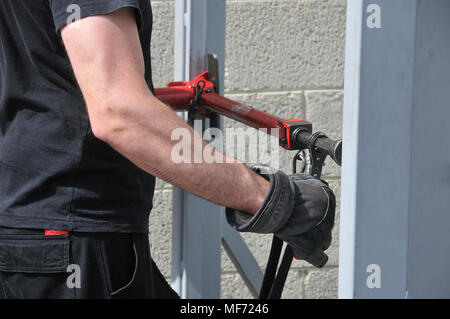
[299,209]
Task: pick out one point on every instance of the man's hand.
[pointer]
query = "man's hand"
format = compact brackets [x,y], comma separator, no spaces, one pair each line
[299,209]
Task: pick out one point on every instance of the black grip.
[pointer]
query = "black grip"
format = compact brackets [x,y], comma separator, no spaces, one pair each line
[321,143]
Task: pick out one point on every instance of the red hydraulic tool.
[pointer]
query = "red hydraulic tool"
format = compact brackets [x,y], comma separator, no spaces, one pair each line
[294,134]
[199,96]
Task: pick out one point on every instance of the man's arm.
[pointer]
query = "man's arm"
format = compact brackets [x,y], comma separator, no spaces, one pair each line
[106,56]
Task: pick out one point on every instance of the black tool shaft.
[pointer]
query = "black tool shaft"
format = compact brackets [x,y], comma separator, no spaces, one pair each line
[323,144]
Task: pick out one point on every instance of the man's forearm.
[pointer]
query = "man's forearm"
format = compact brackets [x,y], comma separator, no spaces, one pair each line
[142,133]
[125,114]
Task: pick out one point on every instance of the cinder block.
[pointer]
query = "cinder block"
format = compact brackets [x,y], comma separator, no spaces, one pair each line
[162,48]
[273,45]
[324,110]
[322,284]
[233,287]
[160,185]
[305,51]
[161,230]
[259,245]
[285,105]
[294,286]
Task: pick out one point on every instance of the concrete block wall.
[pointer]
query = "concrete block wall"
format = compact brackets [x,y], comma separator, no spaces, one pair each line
[285,57]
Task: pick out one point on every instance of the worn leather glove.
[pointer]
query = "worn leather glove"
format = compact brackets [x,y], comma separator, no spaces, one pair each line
[299,209]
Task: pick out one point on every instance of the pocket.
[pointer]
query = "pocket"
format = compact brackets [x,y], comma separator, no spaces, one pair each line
[34,253]
[119,292]
[119,261]
[34,266]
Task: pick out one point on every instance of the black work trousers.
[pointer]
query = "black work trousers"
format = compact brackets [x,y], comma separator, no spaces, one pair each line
[78,266]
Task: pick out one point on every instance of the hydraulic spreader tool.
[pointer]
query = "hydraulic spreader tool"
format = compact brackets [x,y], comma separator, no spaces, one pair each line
[200,96]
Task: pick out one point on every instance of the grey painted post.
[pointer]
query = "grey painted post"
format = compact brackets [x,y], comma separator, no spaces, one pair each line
[395,212]
[199,227]
[196,239]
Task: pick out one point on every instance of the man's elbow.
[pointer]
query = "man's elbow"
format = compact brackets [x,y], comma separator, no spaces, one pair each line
[102,131]
[107,121]
[117,118]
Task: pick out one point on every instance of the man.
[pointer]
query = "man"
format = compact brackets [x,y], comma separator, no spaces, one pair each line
[83,138]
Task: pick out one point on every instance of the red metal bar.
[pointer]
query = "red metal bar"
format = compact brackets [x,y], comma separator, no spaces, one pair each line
[240,112]
[179,96]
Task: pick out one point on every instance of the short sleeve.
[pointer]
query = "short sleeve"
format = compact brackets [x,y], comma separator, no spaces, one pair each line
[68,11]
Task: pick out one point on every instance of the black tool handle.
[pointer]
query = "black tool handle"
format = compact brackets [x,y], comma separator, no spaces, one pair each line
[322,143]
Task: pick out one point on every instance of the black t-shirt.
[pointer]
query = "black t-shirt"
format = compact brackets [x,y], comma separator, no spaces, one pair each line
[54,173]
